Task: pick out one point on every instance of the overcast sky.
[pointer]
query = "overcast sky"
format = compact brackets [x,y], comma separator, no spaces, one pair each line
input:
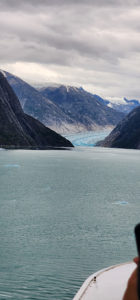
[89,43]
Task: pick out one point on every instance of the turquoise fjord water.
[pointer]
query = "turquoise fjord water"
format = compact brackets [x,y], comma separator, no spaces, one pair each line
[63,216]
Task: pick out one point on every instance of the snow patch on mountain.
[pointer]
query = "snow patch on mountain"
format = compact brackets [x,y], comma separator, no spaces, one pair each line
[116,100]
[3,73]
[121,100]
[124,105]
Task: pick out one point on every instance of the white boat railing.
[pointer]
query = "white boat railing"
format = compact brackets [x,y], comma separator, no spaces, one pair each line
[106,284]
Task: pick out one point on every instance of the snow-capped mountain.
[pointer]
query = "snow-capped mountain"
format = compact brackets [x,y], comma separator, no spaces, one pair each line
[82,106]
[64,108]
[120,104]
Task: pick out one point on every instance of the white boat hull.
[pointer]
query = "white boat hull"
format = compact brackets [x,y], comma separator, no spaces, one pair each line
[107,284]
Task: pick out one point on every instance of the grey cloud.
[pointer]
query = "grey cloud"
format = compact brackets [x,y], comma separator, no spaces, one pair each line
[79,37]
[26,4]
[97,37]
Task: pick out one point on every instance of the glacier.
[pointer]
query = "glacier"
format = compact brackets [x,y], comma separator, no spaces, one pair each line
[87,139]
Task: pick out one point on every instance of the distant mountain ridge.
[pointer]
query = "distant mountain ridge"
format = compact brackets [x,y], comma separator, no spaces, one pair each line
[78,111]
[124,106]
[82,106]
[18,130]
[126,134]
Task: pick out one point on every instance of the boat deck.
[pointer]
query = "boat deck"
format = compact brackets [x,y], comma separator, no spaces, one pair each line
[106,284]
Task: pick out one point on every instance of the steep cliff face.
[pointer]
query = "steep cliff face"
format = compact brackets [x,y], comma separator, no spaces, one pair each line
[126,134]
[18,130]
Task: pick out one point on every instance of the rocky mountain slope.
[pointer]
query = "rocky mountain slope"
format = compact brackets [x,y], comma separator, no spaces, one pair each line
[18,130]
[82,106]
[126,134]
[64,109]
[40,107]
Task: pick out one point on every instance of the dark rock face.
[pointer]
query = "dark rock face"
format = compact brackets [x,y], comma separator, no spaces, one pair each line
[18,130]
[126,134]
[83,107]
